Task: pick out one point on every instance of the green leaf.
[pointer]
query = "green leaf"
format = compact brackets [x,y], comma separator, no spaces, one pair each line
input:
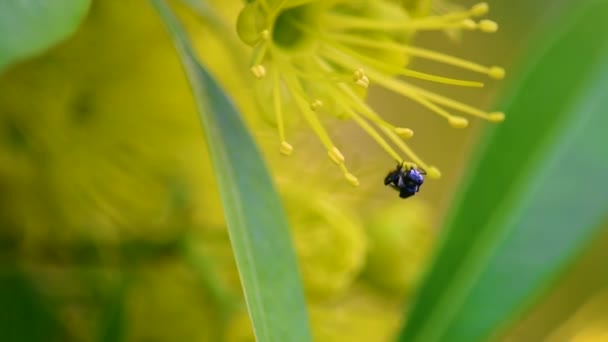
[24,315]
[535,196]
[113,320]
[256,222]
[29,27]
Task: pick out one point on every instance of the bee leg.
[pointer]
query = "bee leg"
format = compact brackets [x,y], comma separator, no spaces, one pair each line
[387,180]
[392,177]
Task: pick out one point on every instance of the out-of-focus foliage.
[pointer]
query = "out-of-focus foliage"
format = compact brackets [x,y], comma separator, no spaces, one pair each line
[103,168]
[30,27]
[393,238]
[524,213]
[587,324]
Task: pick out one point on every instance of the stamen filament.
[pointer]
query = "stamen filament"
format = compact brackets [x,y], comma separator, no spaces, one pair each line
[309,115]
[259,52]
[475,11]
[408,72]
[440,79]
[329,77]
[278,110]
[396,86]
[364,109]
[494,72]
[372,132]
[334,154]
[445,101]
[415,93]
[344,21]
[386,127]
[408,91]
[454,61]
[367,111]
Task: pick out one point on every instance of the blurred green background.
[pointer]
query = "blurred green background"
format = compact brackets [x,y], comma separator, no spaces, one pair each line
[110,222]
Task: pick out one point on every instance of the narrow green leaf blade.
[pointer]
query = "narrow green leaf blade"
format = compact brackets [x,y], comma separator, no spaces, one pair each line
[113,321]
[535,197]
[28,27]
[256,222]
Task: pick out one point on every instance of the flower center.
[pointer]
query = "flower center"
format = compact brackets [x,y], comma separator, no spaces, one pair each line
[292,27]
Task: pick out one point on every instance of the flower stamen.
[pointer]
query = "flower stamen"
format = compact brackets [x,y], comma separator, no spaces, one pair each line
[285,147]
[494,72]
[488,26]
[309,115]
[371,115]
[316,104]
[362,107]
[320,53]
[259,71]
[452,20]
[360,78]
[259,52]
[445,101]
[372,132]
[407,72]
[396,86]
[423,97]
[392,132]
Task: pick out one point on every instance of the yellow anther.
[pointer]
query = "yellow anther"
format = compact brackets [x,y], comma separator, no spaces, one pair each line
[316,104]
[360,79]
[363,82]
[405,133]
[488,26]
[496,117]
[433,172]
[265,35]
[359,73]
[469,24]
[351,179]
[458,122]
[496,73]
[258,71]
[285,148]
[336,156]
[480,9]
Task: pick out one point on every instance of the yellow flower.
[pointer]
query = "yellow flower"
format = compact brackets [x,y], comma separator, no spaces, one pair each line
[323,55]
[159,305]
[359,315]
[90,151]
[400,241]
[329,240]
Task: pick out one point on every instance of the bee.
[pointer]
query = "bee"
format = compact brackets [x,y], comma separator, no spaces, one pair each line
[406,180]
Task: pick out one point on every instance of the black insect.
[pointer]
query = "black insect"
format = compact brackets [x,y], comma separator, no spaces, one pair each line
[405,180]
